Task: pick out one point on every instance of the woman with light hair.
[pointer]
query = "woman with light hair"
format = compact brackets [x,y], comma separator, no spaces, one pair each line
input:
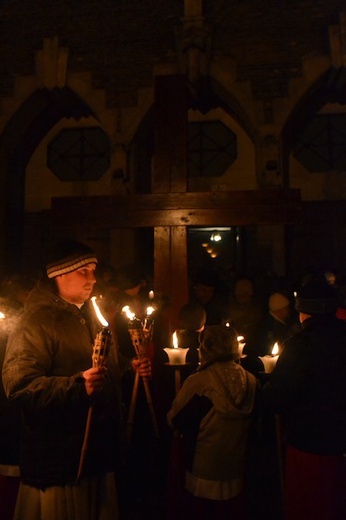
[212,412]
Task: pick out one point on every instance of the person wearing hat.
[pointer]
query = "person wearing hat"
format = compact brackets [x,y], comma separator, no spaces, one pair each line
[47,374]
[275,327]
[308,389]
[212,411]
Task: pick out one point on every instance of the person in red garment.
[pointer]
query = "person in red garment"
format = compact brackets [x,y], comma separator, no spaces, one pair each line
[308,390]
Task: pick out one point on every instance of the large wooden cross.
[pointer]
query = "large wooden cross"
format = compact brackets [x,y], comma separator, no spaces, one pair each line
[170,208]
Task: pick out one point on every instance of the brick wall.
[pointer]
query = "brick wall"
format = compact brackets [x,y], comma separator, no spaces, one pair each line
[120,41]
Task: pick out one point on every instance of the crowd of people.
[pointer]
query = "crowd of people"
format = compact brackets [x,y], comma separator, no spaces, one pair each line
[233,441]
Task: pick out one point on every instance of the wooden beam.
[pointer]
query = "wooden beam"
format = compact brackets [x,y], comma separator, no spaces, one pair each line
[170,272]
[171,130]
[162,251]
[179,271]
[239,208]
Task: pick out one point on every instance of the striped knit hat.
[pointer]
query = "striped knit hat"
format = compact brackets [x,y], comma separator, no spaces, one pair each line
[67,257]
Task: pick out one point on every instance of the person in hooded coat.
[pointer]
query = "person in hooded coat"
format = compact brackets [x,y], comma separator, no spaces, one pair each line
[212,411]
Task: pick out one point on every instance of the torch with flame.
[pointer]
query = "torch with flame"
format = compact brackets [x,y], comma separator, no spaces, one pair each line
[101,342]
[99,357]
[141,332]
[148,325]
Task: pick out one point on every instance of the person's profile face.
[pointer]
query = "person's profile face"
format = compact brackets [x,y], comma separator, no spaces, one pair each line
[285,313]
[76,287]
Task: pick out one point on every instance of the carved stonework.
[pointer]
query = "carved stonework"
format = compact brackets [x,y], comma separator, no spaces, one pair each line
[194,48]
[51,64]
[270,162]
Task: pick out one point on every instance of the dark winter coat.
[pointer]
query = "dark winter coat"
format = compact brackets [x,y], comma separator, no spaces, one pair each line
[308,387]
[42,373]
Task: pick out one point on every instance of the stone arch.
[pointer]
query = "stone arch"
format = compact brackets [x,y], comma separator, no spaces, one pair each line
[20,137]
[330,87]
[141,149]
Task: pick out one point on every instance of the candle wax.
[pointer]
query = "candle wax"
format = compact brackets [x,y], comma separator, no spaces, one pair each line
[269,362]
[176,356]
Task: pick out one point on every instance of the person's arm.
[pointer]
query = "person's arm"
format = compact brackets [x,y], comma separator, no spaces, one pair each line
[28,365]
[288,379]
[189,417]
[188,410]
[189,405]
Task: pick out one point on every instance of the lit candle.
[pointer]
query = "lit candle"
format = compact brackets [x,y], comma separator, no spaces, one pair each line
[151,295]
[269,361]
[176,355]
[241,345]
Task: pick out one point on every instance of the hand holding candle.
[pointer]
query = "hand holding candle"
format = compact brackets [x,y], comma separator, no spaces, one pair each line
[269,361]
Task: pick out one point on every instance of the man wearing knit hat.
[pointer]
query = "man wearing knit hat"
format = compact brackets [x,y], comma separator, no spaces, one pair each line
[47,373]
[308,388]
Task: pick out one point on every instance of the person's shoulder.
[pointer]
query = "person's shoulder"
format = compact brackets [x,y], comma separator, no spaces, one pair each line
[42,307]
[194,381]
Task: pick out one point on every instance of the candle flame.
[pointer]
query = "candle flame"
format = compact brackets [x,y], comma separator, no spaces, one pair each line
[150,310]
[240,338]
[2,316]
[129,314]
[275,349]
[151,295]
[101,319]
[175,340]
